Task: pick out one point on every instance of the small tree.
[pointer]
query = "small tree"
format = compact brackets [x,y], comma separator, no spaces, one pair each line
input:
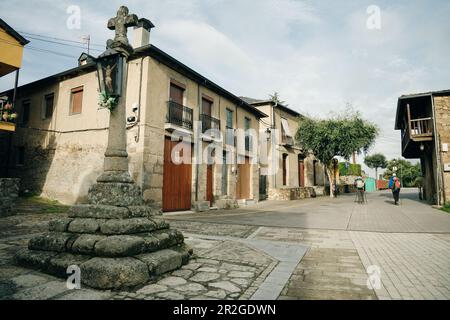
[339,136]
[275,97]
[376,161]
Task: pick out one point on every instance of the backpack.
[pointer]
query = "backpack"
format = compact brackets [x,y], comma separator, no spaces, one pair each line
[397,184]
[359,184]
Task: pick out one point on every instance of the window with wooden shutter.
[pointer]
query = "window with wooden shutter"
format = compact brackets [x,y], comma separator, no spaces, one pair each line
[76,101]
[26,111]
[49,101]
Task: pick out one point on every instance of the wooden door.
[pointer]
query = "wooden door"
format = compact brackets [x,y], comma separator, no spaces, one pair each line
[301,173]
[209,184]
[243,182]
[285,169]
[177,179]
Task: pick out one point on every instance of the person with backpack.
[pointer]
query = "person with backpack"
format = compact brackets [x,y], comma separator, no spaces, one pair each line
[360,186]
[395,186]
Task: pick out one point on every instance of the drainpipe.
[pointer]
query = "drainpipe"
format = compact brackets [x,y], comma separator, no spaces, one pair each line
[196,146]
[438,158]
[274,176]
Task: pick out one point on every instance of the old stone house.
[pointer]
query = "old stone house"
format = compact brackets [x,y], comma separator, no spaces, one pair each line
[293,172]
[62,133]
[424,122]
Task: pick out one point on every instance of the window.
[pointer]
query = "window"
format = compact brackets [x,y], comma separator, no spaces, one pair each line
[207,106]
[20,159]
[76,100]
[248,140]
[49,100]
[229,128]
[176,93]
[285,169]
[286,136]
[26,111]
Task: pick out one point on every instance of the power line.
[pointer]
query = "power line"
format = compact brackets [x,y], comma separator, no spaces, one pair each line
[63,44]
[39,49]
[59,39]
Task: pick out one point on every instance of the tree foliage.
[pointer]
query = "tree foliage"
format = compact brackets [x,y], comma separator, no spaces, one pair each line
[376,161]
[338,136]
[275,97]
[408,173]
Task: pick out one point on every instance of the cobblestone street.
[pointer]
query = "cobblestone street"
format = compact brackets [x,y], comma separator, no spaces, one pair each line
[312,249]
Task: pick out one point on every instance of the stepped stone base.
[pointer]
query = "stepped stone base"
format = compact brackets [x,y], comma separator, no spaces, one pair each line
[115,247]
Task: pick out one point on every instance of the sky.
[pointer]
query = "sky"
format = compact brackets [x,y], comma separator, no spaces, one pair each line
[318,55]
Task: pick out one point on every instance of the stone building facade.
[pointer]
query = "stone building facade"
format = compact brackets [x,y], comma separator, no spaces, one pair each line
[290,168]
[424,121]
[61,136]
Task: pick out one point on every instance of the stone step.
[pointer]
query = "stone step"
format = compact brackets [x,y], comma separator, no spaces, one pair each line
[107,273]
[108,226]
[113,212]
[106,246]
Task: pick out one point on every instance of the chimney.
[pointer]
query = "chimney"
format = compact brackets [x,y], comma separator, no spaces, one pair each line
[141,33]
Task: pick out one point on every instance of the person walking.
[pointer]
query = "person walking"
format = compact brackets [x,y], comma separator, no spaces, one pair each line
[395,186]
[360,186]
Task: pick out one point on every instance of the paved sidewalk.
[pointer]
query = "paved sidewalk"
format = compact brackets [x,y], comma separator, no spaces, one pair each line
[378,215]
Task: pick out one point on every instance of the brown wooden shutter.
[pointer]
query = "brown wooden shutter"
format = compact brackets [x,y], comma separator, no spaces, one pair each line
[49,101]
[176,94]
[206,106]
[77,100]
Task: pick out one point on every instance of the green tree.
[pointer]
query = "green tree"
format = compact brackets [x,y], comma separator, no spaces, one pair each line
[338,136]
[376,161]
[407,172]
[275,97]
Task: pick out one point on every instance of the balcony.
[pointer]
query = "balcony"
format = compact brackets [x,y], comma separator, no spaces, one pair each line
[209,123]
[179,115]
[421,129]
[416,132]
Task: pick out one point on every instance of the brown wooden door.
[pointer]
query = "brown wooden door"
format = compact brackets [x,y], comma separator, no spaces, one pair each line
[285,169]
[209,184]
[243,182]
[301,173]
[177,179]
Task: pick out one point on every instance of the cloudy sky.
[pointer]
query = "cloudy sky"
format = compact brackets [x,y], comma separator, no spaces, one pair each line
[319,55]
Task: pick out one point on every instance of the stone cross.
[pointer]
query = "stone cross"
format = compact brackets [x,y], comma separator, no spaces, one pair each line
[116,157]
[120,23]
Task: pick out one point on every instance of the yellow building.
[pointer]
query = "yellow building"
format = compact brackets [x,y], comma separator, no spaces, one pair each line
[11,52]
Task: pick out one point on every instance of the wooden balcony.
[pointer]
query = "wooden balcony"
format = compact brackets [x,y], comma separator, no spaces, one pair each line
[416,132]
[421,129]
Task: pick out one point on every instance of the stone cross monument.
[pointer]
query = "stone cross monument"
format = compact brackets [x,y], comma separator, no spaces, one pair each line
[116,240]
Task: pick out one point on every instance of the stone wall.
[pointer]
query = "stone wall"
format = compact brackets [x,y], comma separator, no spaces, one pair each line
[9,192]
[291,193]
[442,106]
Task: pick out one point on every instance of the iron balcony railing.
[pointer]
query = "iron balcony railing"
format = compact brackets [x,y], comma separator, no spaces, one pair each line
[209,123]
[179,115]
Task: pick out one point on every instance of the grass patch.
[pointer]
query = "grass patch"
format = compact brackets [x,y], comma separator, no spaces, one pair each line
[446,208]
[44,205]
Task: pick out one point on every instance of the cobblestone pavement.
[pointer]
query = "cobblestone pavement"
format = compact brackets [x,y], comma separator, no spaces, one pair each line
[409,245]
